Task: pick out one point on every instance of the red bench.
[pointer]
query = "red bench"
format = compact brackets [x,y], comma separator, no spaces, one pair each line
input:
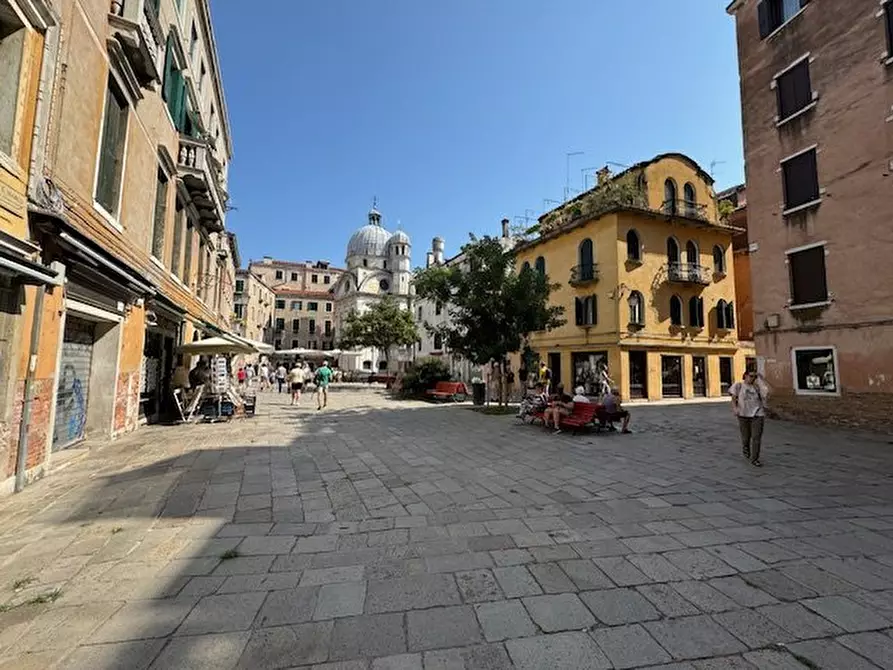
[454,391]
[584,414]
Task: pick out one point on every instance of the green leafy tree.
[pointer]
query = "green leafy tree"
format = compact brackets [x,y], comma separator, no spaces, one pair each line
[383,326]
[492,307]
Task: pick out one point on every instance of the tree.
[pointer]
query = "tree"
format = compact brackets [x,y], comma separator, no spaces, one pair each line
[492,307]
[384,325]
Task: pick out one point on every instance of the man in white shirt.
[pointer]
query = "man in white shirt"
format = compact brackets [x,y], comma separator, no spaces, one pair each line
[580,395]
[749,398]
[281,374]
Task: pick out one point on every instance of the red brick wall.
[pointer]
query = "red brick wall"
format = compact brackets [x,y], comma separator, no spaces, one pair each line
[845,39]
[39,428]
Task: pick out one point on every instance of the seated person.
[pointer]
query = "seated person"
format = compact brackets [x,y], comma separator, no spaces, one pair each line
[562,405]
[533,403]
[612,411]
[580,395]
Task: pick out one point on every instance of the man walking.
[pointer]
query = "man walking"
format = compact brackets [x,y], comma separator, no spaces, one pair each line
[749,404]
[323,377]
[281,374]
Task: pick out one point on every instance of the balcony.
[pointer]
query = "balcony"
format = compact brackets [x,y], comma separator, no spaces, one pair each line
[688,273]
[584,274]
[195,167]
[135,27]
[691,210]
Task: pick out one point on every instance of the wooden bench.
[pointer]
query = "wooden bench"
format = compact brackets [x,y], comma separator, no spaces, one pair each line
[454,391]
[584,414]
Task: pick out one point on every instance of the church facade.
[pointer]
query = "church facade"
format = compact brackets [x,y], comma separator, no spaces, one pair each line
[378,263]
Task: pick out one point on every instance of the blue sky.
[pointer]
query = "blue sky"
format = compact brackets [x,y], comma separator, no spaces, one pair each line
[455,114]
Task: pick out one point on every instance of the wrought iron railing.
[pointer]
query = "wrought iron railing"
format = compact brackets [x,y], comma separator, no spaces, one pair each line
[688,273]
[582,274]
[693,210]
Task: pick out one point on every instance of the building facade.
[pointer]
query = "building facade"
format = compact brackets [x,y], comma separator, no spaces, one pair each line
[646,278]
[304,302]
[126,158]
[378,264]
[817,109]
[736,217]
[253,307]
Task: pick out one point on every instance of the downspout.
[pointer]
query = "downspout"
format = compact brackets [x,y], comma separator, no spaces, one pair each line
[25,422]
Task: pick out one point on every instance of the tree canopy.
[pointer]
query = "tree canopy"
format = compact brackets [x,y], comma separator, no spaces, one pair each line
[492,306]
[383,326]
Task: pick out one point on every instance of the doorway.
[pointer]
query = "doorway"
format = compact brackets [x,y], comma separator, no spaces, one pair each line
[555,367]
[725,374]
[74,382]
[671,376]
[699,376]
[638,374]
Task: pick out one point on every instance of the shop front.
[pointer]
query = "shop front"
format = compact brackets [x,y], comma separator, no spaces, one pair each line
[163,331]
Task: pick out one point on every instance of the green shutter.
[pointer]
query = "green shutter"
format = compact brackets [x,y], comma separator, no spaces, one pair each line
[168,69]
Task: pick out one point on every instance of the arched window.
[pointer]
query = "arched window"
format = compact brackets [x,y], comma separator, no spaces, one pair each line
[438,341]
[675,311]
[691,200]
[541,265]
[696,312]
[719,260]
[670,196]
[691,253]
[367,365]
[672,250]
[636,309]
[585,254]
[730,315]
[721,311]
[526,266]
[633,247]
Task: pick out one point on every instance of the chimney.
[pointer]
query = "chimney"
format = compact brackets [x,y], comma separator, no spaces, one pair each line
[437,249]
[505,229]
[604,175]
[429,259]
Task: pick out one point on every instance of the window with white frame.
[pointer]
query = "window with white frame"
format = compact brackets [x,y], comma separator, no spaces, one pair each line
[809,283]
[801,180]
[793,89]
[815,370]
[12,49]
[773,14]
[111,149]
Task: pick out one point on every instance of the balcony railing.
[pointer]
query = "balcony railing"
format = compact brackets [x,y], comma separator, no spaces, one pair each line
[136,27]
[583,274]
[688,273]
[692,210]
[196,169]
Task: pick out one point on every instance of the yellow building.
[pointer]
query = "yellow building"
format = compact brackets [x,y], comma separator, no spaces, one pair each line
[645,275]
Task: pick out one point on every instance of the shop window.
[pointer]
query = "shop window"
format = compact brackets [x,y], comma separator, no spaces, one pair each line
[590,370]
[815,371]
[801,180]
[809,284]
[675,310]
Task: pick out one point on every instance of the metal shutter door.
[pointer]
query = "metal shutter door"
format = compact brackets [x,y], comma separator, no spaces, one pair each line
[74,382]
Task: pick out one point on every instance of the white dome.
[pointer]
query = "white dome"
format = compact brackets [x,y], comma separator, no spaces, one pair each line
[370,240]
[399,238]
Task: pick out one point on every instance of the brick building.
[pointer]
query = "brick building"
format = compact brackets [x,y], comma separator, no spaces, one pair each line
[304,306]
[816,91]
[122,136]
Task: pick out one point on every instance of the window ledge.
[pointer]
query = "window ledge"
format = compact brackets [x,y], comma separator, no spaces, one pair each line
[109,219]
[809,305]
[7,161]
[800,208]
[634,261]
[784,25]
[800,112]
[157,261]
[888,61]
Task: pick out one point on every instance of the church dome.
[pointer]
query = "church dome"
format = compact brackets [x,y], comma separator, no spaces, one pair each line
[399,238]
[370,240]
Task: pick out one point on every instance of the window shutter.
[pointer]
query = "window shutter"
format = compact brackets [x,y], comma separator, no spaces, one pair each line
[801,183]
[578,311]
[721,314]
[730,315]
[168,69]
[808,279]
[701,312]
[888,19]
[593,305]
[764,18]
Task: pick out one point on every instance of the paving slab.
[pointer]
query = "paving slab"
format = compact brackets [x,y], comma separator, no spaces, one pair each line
[554,613]
[222,614]
[630,646]
[562,651]
[441,627]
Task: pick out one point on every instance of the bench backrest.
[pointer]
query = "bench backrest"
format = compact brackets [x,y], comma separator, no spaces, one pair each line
[585,410]
[449,387]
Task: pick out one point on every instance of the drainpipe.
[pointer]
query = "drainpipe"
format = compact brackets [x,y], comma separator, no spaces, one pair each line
[29,383]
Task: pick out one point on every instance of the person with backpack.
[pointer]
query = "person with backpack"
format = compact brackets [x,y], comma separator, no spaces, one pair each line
[323,378]
[749,398]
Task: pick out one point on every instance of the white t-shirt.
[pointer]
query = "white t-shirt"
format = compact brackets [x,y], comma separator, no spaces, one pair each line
[281,372]
[581,398]
[751,398]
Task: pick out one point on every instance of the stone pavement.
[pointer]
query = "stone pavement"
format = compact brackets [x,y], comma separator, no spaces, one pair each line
[396,535]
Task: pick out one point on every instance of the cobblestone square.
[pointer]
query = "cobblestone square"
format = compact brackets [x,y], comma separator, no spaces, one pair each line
[396,534]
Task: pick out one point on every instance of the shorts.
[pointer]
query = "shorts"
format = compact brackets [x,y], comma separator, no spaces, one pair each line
[615,416]
[297,386]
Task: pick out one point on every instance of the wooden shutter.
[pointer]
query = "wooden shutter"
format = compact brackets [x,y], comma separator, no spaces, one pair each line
[160,216]
[111,151]
[578,311]
[801,184]
[593,310]
[168,69]
[808,279]
[721,314]
[730,315]
[187,255]
[764,17]
[888,22]
[794,90]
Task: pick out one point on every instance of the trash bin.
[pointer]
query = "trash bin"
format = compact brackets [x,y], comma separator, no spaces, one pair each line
[479,392]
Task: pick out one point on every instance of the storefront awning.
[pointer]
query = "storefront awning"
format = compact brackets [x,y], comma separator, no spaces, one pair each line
[27,271]
[130,278]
